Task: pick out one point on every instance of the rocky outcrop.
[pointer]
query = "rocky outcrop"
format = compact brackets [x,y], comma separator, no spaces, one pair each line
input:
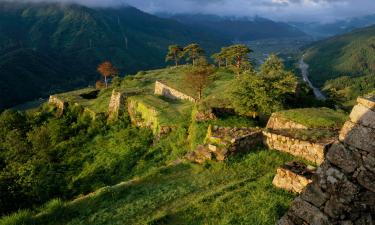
[58,103]
[166,91]
[343,188]
[294,176]
[223,141]
[311,151]
[277,122]
[116,105]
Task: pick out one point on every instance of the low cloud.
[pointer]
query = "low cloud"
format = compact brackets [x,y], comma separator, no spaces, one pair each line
[284,10]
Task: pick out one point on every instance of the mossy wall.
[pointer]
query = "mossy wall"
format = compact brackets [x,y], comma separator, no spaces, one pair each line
[143,115]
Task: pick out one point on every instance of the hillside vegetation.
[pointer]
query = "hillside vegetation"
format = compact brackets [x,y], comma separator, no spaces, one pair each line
[50,47]
[351,54]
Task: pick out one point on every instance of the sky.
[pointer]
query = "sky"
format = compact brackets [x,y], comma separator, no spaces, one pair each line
[281,10]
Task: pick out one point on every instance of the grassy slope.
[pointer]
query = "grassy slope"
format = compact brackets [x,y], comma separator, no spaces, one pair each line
[351,54]
[239,191]
[316,117]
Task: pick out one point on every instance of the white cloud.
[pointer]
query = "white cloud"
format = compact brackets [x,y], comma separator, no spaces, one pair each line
[317,10]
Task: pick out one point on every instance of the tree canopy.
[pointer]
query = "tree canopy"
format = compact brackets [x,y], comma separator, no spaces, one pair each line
[175,53]
[106,69]
[193,52]
[263,92]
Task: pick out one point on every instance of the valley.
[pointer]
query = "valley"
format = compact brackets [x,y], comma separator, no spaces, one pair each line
[187,113]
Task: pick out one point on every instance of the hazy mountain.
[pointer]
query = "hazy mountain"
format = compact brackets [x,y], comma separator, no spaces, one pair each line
[45,48]
[241,29]
[323,30]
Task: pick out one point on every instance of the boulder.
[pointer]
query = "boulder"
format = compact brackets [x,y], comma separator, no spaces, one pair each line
[363,115]
[358,136]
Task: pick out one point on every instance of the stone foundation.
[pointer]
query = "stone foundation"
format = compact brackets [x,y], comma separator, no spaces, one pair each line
[223,141]
[294,177]
[58,103]
[343,188]
[314,152]
[116,105]
[166,91]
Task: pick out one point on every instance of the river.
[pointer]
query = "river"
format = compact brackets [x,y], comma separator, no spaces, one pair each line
[304,67]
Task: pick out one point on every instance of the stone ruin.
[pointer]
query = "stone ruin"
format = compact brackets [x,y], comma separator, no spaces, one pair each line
[278,136]
[224,141]
[168,92]
[343,187]
[58,103]
[116,105]
[294,176]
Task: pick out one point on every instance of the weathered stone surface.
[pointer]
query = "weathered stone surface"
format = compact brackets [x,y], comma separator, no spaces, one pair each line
[308,213]
[285,221]
[343,188]
[293,177]
[116,105]
[314,195]
[314,152]
[342,157]
[367,180]
[335,209]
[166,91]
[362,115]
[369,162]
[358,136]
[200,155]
[367,102]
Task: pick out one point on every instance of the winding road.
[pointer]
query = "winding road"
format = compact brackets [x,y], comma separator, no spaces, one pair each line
[304,67]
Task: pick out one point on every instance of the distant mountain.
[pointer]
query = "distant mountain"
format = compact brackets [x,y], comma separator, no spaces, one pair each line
[241,29]
[324,30]
[351,54]
[50,47]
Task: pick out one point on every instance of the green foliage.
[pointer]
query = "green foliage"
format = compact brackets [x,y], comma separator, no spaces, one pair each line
[175,53]
[239,191]
[350,54]
[193,52]
[263,92]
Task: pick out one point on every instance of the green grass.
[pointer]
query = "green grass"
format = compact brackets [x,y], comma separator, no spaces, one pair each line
[239,191]
[316,117]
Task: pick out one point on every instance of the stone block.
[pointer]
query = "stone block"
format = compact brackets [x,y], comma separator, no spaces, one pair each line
[293,177]
[342,157]
[362,115]
[358,136]
[314,195]
[369,162]
[308,213]
[367,102]
[367,180]
[277,122]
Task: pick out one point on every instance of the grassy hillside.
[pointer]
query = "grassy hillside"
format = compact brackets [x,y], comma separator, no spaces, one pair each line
[237,192]
[351,54]
[47,48]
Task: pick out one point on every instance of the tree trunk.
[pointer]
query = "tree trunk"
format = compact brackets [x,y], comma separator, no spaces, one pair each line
[105,81]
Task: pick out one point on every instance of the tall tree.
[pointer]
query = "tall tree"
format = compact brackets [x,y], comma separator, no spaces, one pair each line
[199,77]
[263,92]
[218,58]
[106,69]
[238,54]
[193,52]
[175,53]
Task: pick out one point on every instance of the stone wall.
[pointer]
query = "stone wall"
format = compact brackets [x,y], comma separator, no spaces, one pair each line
[223,141]
[58,103]
[166,91]
[314,152]
[343,188]
[277,122]
[116,105]
[294,176]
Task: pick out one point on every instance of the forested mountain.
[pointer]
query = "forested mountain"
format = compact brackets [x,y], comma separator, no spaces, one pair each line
[50,47]
[241,29]
[344,65]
